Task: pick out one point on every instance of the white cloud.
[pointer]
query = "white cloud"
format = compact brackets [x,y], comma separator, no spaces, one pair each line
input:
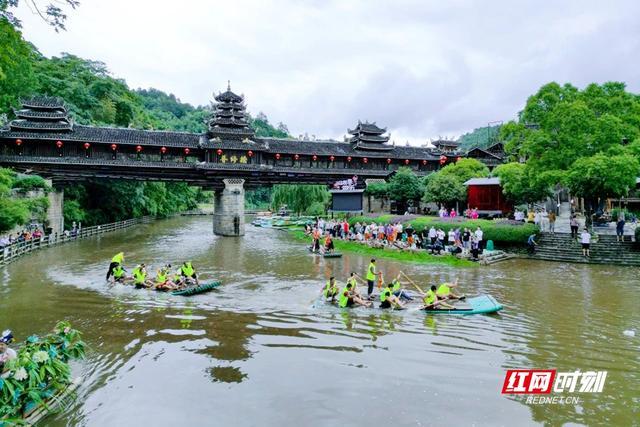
[422,69]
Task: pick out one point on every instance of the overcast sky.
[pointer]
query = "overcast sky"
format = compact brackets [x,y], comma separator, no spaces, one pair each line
[421,68]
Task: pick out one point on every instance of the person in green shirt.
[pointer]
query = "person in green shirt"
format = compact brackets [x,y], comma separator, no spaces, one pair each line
[398,291]
[119,274]
[140,277]
[330,290]
[163,282]
[188,272]
[444,291]
[431,301]
[388,299]
[117,259]
[347,298]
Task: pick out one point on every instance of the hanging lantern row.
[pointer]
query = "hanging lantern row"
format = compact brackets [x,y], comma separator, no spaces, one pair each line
[332,158]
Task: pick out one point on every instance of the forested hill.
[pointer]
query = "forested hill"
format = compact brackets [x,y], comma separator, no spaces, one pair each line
[481,137]
[95,97]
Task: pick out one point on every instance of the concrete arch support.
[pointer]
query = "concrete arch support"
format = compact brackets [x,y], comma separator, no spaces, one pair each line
[228,217]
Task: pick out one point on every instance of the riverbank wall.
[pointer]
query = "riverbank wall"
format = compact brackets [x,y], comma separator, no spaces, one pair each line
[15,250]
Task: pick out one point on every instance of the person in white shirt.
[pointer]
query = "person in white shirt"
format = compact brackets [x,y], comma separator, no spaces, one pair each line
[451,237]
[479,237]
[585,239]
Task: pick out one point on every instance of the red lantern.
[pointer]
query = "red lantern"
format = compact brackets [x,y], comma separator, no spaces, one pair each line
[315,157]
[277,156]
[114,147]
[250,153]
[388,161]
[365,160]
[59,144]
[424,162]
[219,152]
[443,159]
[406,161]
[86,145]
[296,157]
[349,159]
[163,150]
[332,158]
[187,151]
[458,158]
[18,142]
[138,148]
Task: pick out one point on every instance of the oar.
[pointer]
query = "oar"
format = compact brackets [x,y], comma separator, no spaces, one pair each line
[413,283]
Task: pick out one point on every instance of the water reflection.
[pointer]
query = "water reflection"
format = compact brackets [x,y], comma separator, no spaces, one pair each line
[259,338]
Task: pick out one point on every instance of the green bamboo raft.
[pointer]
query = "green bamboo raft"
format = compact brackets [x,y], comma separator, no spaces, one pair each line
[333,255]
[194,290]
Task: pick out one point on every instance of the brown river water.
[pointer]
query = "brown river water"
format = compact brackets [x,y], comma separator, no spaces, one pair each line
[258,352]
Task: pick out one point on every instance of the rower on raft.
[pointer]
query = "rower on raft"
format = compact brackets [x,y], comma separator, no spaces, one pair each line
[140,277]
[444,291]
[431,301]
[330,291]
[388,299]
[117,260]
[348,297]
[163,282]
[402,294]
[328,244]
[188,272]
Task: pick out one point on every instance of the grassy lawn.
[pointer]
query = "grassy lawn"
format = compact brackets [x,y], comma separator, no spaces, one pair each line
[420,256]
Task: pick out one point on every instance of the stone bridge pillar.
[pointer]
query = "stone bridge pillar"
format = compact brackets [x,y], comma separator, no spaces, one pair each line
[228,216]
[55,215]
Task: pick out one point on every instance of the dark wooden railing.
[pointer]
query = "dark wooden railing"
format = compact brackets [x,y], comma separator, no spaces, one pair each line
[16,249]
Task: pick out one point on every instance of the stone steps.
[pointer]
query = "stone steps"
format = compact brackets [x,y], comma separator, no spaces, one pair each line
[606,250]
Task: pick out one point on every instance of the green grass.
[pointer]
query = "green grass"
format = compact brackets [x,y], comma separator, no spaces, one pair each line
[406,256]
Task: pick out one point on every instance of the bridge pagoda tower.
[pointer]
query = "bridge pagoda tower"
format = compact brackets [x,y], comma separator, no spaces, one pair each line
[229,124]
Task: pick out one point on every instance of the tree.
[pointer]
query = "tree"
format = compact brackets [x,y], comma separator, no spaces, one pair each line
[16,70]
[404,185]
[299,198]
[465,169]
[51,13]
[444,189]
[603,176]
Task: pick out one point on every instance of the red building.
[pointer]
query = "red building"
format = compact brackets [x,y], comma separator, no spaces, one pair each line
[486,195]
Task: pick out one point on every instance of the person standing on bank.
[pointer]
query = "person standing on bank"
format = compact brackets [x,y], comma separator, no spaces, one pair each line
[479,238]
[620,228]
[573,223]
[585,239]
[552,222]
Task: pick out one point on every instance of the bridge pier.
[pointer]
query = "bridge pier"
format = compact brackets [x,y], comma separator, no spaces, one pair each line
[228,216]
[55,213]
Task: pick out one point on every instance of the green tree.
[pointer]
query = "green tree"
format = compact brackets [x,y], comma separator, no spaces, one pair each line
[404,185]
[465,169]
[299,198]
[444,189]
[52,13]
[602,176]
[16,71]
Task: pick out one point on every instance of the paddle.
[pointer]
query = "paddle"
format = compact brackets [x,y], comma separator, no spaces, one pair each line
[413,283]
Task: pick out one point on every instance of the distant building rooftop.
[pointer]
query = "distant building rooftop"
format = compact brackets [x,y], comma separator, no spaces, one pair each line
[483,181]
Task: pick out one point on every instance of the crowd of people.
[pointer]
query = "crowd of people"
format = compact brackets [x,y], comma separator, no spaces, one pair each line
[391,295]
[457,241]
[22,236]
[184,276]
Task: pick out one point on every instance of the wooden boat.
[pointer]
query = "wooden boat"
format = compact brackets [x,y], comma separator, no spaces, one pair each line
[196,289]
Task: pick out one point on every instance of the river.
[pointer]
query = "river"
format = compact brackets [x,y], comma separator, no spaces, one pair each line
[256,352]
